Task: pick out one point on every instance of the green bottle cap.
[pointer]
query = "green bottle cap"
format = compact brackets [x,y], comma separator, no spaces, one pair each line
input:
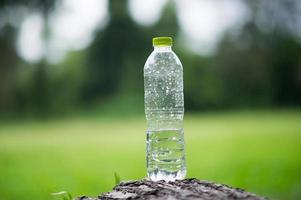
[162,41]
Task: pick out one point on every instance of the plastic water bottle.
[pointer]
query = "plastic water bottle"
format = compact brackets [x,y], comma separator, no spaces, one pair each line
[164,110]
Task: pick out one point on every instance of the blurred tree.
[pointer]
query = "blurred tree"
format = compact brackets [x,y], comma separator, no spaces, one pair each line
[40,90]
[7,67]
[243,69]
[202,83]
[286,74]
[121,43]
[261,64]
[9,21]
[168,25]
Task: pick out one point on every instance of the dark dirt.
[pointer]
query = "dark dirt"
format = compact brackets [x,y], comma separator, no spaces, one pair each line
[180,189]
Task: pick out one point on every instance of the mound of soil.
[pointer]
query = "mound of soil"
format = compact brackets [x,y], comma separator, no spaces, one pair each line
[177,190]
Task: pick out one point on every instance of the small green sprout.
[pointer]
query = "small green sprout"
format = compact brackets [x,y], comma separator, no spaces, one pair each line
[117,178]
[63,195]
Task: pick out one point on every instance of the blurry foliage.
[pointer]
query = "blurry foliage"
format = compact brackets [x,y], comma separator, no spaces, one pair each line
[259,65]
[116,56]
[8,63]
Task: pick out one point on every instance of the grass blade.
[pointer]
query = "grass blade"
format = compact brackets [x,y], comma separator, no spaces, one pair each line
[117,178]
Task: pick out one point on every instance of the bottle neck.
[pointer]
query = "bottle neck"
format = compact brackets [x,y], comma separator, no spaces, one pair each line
[162,48]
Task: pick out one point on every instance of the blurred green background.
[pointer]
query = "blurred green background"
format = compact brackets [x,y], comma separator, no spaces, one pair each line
[71,93]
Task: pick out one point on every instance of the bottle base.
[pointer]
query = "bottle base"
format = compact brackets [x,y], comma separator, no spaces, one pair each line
[158,175]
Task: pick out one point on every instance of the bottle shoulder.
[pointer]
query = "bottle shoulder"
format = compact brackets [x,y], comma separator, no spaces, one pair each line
[159,59]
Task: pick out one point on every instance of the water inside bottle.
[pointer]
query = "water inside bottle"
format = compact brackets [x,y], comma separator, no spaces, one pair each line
[166,155]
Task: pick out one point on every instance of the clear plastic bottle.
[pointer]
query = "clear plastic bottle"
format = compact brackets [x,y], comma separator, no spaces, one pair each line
[164,110]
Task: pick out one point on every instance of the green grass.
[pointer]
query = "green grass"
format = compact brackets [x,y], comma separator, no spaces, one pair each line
[259,151]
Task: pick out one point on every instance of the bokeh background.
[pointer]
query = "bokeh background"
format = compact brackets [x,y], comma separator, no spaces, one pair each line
[71,93]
